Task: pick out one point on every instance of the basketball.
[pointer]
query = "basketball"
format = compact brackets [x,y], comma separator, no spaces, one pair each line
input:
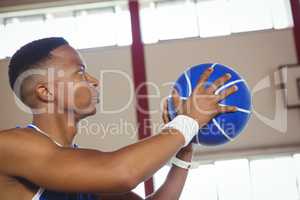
[224,127]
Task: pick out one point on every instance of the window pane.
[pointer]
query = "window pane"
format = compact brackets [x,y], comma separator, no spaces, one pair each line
[61,27]
[233,180]
[13,40]
[123,25]
[160,176]
[201,184]
[213,18]
[96,29]
[249,15]
[3,48]
[297,169]
[273,179]
[281,13]
[177,19]
[148,23]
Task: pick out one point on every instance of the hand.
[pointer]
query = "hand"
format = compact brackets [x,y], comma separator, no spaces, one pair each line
[203,105]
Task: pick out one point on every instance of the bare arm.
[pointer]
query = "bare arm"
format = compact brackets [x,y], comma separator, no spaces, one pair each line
[176,178]
[36,158]
[170,190]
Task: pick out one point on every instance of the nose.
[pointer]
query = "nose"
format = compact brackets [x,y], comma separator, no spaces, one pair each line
[94,82]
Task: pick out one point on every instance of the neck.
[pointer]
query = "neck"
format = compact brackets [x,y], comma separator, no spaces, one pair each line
[59,127]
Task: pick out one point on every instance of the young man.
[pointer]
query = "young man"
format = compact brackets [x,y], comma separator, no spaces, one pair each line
[39,162]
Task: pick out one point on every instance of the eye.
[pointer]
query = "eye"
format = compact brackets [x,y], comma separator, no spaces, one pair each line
[81,71]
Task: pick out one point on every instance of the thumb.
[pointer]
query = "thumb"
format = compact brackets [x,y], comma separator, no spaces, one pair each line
[177,100]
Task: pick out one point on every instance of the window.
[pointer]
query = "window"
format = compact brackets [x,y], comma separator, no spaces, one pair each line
[176,19]
[297,169]
[16,29]
[233,179]
[251,15]
[94,26]
[3,49]
[213,19]
[164,20]
[249,179]
[274,179]
[59,25]
[202,187]
[148,23]
[99,24]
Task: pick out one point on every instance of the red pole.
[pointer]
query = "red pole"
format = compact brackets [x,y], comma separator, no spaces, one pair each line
[139,76]
[296,16]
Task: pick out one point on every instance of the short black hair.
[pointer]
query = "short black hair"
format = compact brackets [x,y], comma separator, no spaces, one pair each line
[31,55]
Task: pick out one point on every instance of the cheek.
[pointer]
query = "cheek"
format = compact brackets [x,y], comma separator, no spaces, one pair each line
[82,96]
[74,95]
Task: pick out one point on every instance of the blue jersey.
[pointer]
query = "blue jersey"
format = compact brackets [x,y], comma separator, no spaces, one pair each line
[52,195]
[44,194]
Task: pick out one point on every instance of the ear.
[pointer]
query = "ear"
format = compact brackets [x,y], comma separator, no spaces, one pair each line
[44,93]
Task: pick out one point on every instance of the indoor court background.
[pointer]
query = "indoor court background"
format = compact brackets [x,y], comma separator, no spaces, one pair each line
[254,37]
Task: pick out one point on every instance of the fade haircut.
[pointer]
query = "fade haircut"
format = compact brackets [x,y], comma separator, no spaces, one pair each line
[31,55]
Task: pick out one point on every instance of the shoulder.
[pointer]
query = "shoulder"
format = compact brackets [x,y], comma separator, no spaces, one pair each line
[22,137]
[23,144]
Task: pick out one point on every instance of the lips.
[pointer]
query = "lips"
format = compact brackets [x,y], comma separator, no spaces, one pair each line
[95,95]
[96,98]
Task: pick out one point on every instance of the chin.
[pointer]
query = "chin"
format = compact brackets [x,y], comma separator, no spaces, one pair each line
[87,114]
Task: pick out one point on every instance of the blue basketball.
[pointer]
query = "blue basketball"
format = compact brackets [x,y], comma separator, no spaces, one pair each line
[224,127]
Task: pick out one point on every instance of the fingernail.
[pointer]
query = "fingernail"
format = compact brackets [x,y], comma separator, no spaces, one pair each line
[211,69]
[236,88]
[228,75]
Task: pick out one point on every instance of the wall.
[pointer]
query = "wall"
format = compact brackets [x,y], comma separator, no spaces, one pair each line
[255,55]
[102,130]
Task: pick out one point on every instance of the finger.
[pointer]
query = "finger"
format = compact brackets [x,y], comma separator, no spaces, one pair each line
[226,109]
[227,92]
[218,83]
[204,77]
[176,99]
[165,114]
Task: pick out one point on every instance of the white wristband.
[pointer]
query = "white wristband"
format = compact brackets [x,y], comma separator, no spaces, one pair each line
[187,126]
[183,164]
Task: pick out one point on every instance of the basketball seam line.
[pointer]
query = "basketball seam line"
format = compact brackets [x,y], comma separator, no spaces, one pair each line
[221,130]
[188,81]
[213,65]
